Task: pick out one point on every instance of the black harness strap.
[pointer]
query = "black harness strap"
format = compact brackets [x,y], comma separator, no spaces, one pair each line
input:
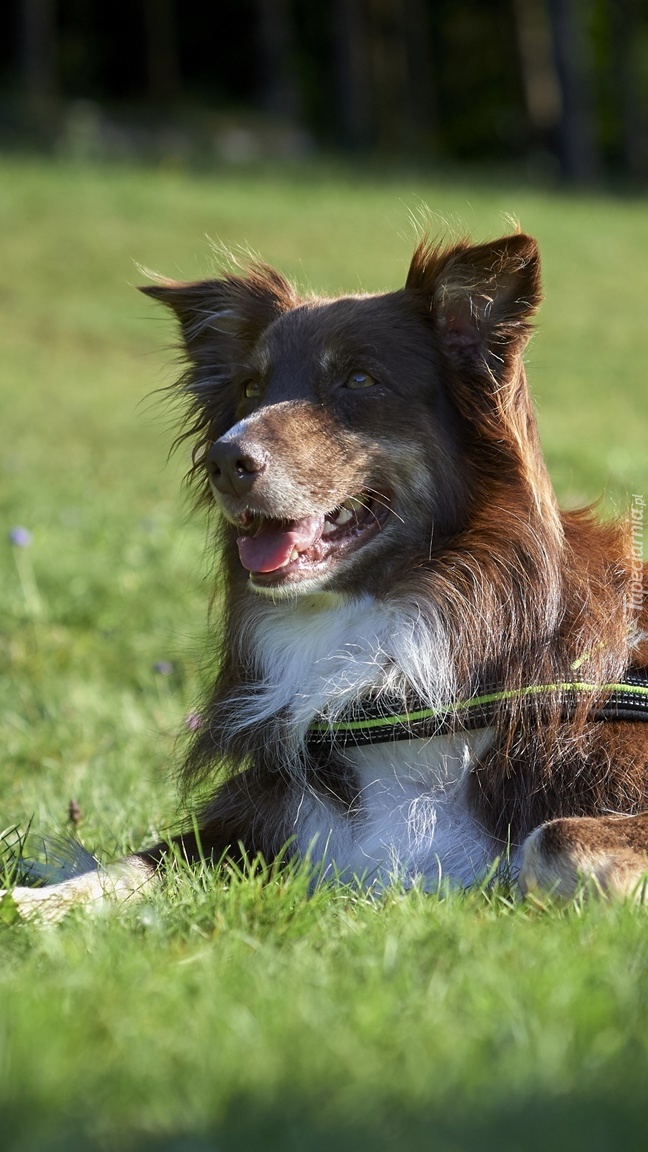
[374,722]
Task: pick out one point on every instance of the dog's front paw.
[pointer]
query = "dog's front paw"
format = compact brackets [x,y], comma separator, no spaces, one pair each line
[606,855]
[31,904]
[128,879]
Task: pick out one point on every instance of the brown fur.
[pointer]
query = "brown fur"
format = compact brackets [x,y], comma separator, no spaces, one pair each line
[522,589]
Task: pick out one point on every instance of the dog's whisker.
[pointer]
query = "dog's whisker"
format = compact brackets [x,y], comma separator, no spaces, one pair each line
[378,498]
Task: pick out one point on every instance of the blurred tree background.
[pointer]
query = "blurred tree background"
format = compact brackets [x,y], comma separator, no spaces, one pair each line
[557,86]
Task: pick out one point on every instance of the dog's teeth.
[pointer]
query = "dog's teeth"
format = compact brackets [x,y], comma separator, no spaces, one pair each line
[294,554]
[342,514]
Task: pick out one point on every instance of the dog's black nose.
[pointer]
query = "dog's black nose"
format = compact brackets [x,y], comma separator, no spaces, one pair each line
[233,468]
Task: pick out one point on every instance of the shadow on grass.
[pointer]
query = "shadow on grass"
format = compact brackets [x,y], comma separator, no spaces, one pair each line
[566,1124]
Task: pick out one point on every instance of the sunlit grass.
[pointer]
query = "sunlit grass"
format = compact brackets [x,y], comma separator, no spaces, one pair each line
[243,1012]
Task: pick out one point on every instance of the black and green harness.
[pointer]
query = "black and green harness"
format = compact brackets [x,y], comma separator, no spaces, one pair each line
[375,722]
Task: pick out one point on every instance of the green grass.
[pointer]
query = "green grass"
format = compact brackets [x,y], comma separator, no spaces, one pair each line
[240,1013]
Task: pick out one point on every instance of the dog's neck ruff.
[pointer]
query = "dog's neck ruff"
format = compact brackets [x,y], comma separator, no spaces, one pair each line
[373,722]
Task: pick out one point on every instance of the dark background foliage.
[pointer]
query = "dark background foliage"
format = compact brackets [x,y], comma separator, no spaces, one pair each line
[559,86]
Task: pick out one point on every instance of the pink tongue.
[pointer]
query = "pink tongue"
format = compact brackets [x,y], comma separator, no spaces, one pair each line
[271,547]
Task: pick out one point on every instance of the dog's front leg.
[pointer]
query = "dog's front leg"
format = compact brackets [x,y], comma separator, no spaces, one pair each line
[245,817]
[608,854]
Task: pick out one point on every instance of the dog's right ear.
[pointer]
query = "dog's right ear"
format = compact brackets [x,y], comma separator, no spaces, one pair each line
[219,318]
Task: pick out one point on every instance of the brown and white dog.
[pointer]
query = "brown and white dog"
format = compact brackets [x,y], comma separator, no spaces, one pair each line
[390,541]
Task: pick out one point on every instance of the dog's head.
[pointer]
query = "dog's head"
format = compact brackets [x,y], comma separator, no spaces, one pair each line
[339,435]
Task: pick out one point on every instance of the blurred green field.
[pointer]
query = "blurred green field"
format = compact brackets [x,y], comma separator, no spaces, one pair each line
[242,1014]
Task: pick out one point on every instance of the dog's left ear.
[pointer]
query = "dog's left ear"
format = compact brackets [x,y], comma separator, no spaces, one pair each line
[479,298]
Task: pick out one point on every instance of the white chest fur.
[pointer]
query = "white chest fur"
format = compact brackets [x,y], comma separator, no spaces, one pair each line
[413,820]
[315,656]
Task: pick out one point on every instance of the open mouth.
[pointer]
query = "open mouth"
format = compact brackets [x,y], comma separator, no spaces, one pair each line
[285,551]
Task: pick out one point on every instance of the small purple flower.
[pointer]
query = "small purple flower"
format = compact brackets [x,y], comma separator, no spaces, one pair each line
[20,537]
[194,721]
[163,667]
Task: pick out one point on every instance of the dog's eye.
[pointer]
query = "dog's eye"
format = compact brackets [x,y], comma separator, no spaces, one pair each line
[252,388]
[359,380]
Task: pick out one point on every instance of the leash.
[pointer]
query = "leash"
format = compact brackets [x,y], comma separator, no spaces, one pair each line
[373,722]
